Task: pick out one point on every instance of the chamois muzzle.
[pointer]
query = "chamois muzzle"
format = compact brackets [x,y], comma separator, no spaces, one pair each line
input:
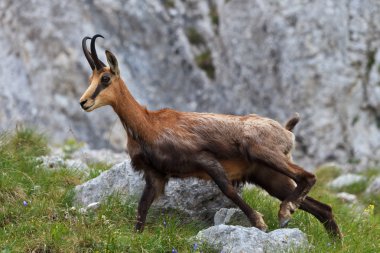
[82,103]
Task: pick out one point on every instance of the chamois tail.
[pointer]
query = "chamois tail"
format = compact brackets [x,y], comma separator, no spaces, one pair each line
[292,122]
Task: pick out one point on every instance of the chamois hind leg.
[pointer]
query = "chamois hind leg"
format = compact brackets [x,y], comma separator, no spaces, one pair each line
[323,213]
[281,163]
[281,186]
[216,171]
[154,187]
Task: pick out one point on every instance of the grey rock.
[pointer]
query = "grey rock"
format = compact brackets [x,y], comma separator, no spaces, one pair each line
[91,207]
[52,162]
[231,216]
[374,187]
[194,197]
[82,210]
[191,196]
[90,156]
[319,58]
[346,180]
[120,180]
[76,164]
[347,197]
[57,162]
[252,240]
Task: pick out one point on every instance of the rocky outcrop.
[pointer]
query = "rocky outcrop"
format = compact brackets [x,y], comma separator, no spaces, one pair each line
[193,197]
[319,58]
[226,238]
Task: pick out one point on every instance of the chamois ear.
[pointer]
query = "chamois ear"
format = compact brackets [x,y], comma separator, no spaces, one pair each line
[112,61]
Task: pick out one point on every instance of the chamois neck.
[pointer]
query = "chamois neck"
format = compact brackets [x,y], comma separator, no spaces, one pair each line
[133,116]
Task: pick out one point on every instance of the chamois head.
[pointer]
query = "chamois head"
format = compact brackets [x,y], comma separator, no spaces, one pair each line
[103,81]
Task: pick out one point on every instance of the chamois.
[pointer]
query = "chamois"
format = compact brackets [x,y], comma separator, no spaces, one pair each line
[223,148]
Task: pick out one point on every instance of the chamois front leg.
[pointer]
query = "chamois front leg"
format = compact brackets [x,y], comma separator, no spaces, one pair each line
[154,187]
[215,170]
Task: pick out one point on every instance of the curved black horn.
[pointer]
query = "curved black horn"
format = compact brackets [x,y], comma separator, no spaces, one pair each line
[98,64]
[87,53]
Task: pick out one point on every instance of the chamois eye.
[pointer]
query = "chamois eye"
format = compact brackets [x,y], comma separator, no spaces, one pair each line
[105,79]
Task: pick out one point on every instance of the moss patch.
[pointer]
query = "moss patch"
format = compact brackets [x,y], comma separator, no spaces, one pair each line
[204,61]
[214,15]
[194,37]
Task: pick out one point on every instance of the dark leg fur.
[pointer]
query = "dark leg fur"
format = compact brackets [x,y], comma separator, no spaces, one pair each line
[154,187]
[281,186]
[279,162]
[324,214]
[215,170]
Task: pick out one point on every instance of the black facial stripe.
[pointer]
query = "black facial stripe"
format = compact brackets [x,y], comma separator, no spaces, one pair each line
[98,89]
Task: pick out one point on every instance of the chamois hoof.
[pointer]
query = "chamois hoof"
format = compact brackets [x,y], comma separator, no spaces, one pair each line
[139,227]
[284,222]
[263,227]
[285,213]
[258,222]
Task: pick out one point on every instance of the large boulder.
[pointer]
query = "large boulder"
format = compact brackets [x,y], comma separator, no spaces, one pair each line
[120,180]
[191,196]
[227,238]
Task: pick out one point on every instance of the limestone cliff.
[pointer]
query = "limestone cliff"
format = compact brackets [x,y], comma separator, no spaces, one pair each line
[319,58]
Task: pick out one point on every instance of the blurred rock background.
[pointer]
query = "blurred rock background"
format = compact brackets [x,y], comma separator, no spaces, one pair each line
[274,58]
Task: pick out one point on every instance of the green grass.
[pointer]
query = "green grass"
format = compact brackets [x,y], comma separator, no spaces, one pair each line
[355,188]
[361,229]
[48,223]
[70,146]
[97,168]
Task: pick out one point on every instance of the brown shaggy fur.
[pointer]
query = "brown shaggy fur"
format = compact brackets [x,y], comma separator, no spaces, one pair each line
[223,148]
